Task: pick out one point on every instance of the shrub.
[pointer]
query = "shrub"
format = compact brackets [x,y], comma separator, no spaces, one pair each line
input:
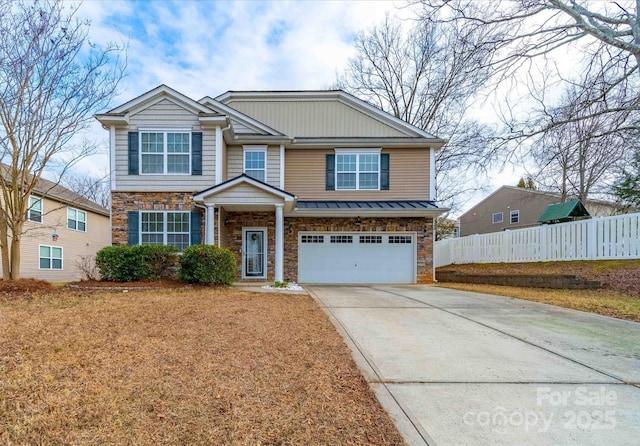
[129,263]
[207,265]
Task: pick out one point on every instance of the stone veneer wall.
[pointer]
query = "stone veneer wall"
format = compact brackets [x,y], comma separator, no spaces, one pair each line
[422,226]
[232,227]
[123,202]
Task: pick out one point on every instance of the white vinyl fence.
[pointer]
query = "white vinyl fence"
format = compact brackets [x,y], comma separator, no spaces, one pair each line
[594,239]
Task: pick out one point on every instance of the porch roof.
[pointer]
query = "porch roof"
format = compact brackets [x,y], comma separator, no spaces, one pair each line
[383,208]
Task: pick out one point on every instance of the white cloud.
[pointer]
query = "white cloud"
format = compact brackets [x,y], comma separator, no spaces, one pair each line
[206,48]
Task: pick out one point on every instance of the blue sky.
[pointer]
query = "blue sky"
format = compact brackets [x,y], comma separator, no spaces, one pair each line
[204,48]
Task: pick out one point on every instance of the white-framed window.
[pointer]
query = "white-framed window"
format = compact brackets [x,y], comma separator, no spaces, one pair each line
[514,217]
[357,170]
[497,217]
[255,162]
[76,219]
[165,152]
[49,257]
[165,228]
[34,210]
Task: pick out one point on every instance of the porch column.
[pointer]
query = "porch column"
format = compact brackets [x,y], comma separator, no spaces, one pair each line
[279,241]
[210,228]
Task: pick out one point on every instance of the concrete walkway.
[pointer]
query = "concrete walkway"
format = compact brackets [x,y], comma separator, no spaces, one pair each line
[460,368]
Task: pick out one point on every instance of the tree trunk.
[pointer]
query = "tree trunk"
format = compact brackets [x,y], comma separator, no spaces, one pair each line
[4,251]
[15,258]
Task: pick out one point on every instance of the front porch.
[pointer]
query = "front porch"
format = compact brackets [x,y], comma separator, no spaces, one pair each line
[247,216]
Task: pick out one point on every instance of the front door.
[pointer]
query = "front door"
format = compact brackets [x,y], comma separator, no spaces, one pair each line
[254,253]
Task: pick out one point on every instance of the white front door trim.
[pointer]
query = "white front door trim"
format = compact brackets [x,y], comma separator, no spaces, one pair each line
[246,253]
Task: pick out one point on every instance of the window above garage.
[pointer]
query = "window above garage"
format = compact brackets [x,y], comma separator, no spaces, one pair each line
[357,169]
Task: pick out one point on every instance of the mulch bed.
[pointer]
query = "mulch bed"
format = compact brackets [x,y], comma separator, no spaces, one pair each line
[203,366]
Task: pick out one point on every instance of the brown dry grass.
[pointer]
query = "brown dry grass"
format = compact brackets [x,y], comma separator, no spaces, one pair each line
[606,302]
[199,366]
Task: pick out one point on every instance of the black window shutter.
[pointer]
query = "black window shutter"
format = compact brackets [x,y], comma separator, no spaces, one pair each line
[196,223]
[196,153]
[331,172]
[133,234]
[133,153]
[384,171]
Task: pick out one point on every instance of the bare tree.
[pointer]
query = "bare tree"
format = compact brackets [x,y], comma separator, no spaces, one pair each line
[532,32]
[627,185]
[429,76]
[52,80]
[91,187]
[583,146]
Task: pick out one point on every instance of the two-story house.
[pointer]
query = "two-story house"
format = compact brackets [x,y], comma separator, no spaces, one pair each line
[511,207]
[62,233]
[313,186]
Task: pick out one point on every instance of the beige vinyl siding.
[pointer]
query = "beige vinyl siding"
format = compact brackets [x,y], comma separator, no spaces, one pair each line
[235,163]
[164,115]
[315,118]
[241,129]
[74,243]
[408,176]
[245,193]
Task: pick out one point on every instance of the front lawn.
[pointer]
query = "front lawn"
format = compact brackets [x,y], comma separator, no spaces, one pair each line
[197,366]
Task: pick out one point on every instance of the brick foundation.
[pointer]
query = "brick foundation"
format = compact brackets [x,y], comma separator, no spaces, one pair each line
[233,222]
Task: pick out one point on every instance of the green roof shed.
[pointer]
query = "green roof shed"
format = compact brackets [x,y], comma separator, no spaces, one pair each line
[562,212]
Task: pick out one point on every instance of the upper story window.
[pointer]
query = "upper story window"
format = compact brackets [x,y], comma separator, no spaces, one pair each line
[255,162]
[76,219]
[165,228]
[357,171]
[165,152]
[514,216]
[34,210]
[498,217]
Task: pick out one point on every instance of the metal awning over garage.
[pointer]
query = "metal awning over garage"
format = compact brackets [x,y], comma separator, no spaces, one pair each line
[386,208]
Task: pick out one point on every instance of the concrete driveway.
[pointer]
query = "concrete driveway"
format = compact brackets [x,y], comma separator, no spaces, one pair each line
[461,368]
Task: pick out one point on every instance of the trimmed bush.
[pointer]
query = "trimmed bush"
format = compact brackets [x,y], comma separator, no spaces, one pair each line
[206,264]
[139,262]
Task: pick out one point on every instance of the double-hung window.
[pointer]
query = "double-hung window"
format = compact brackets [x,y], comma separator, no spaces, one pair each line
[255,162]
[165,228]
[34,210]
[76,219]
[49,257]
[357,171]
[165,152]
[514,217]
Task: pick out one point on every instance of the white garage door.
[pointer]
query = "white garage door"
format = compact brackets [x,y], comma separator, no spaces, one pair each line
[364,257]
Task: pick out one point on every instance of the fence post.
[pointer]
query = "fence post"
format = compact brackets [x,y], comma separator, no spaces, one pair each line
[592,239]
[507,246]
[542,251]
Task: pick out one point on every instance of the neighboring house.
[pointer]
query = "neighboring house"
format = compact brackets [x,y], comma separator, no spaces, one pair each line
[313,186]
[62,228]
[511,207]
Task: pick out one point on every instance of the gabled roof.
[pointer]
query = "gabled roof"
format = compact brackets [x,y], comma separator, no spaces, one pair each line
[330,95]
[563,211]
[235,115]
[244,178]
[53,191]
[160,91]
[550,195]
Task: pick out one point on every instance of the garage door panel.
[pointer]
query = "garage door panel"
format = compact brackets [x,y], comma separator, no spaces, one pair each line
[368,258]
